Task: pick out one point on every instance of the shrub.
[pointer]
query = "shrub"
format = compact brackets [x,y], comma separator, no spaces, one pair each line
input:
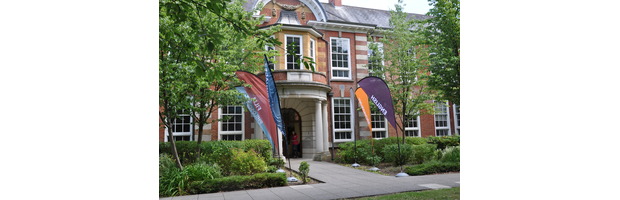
[173,181]
[347,152]
[214,151]
[432,167]
[202,171]
[245,163]
[231,183]
[304,170]
[276,162]
[373,160]
[445,141]
[423,153]
[262,147]
[390,154]
[451,154]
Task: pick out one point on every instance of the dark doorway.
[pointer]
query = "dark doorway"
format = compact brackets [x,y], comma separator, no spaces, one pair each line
[292,120]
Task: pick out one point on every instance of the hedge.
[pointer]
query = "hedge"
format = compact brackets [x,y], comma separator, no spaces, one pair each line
[187,149]
[445,141]
[261,180]
[433,167]
[346,154]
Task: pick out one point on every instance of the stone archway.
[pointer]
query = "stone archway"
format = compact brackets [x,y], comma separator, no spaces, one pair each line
[292,121]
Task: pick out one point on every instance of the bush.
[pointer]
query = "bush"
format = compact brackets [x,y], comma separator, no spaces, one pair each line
[173,181]
[451,154]
[347,152]
[214,151]
[423,153]
[244,163]
[304,170]
[373,160]
[231,183]
[433,167]
[202,171]
[445,141]
[390,154]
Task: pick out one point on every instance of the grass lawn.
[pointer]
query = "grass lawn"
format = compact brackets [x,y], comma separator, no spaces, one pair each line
[442,194]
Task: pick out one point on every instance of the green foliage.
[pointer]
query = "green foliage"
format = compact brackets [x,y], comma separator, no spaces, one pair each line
[432,167]
[442,36]
[402,48]
[347,152]
[390,154]
[423,153]
[217,151]
[202,171]
[277,162]
[445,141]
[245,163]
[373,160]
[304,170]
[231,183]
[451,154]
[262,147]
[173,181]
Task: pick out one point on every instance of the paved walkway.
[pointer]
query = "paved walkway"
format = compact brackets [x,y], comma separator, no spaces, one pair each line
[340,182]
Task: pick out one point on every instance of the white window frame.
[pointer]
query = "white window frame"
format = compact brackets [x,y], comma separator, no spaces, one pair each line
[447,118]
[191,128]
[219,129]
[350,130]
[313,49]
[417,128]
[348,59]
[457,118]
[301,50]
[376,112]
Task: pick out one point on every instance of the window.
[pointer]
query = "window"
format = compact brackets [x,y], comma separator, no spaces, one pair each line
[271,59]
[379,127]
[312,43]
[340,58]
[181,127]
[293,52]
[442,119]
[412,126]
[457,116]
[375,59]
[342,119]
[231,126]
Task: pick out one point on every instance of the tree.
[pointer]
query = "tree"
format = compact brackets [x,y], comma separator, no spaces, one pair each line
[406,74]
[442,36]
[202,43]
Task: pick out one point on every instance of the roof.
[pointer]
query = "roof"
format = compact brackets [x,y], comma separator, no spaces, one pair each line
[352,14]
[359,15]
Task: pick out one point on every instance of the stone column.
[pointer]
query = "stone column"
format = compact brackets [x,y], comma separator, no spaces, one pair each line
[318,127]
[325,130]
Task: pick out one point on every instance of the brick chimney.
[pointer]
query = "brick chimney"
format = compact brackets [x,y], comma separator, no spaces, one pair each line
[336,2]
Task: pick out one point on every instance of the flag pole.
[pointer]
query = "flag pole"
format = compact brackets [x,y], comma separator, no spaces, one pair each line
[353,112]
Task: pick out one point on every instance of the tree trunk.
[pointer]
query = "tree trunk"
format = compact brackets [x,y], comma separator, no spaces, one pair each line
[174,148]
[201,123]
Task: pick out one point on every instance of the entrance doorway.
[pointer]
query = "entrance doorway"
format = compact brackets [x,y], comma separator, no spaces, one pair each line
[292,121]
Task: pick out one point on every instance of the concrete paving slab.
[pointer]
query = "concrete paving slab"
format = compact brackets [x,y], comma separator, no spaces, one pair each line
[188,197]
[210,196]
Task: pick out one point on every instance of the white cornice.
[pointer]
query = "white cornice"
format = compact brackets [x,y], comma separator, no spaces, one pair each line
[333,26]
[301,28]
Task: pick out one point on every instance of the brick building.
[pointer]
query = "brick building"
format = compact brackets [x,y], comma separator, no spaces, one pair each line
[317,104]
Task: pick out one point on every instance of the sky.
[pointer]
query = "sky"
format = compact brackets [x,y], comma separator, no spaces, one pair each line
[411,6]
